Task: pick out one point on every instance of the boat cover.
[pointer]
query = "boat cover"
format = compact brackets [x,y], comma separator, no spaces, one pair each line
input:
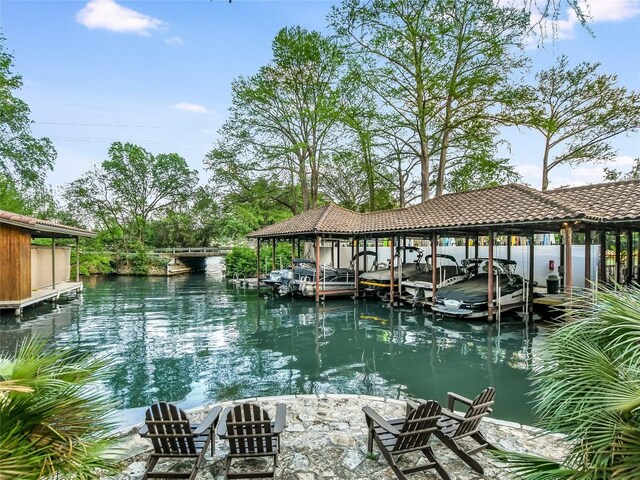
[474,290]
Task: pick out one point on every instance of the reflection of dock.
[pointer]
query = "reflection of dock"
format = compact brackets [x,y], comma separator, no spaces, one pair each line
[41,295]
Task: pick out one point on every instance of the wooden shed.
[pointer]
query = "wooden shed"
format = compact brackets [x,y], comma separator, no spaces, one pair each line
[23,282]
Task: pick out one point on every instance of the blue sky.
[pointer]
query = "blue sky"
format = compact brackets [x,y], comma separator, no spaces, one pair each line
[158,73]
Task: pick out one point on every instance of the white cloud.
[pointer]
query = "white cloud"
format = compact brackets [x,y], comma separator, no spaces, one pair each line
[611,10]
[191,107]
[109,15]
[565,27]
[174,40]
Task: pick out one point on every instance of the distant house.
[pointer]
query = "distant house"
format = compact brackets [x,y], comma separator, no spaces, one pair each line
[29,273]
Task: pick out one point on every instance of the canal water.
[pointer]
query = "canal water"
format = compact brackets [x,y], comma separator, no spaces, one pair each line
[197,339]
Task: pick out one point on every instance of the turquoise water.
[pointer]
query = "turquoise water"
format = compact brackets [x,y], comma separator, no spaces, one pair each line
[196,339]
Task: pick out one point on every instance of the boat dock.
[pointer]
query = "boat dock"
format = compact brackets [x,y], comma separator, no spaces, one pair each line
[41,295]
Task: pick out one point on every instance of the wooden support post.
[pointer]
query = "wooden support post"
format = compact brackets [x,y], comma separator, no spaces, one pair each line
[490,282]
[333,254]
[299,248]
[532,259]
[357,269]
[508,247]
[366,267]
[258,266]
[466,246]
[293,253]
[338,254]
[391,272]
[273,254]
[377,261]
[561,263]
[476,246]
[603,257]
[568,233]
[587,258]
[318,238]
[53,263]
[77,259]
[434,275]
[353,242]
[404,249]
[629,278]
[638,260]
[618,274]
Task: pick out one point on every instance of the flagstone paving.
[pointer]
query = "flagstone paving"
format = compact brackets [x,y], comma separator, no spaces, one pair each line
[326,438]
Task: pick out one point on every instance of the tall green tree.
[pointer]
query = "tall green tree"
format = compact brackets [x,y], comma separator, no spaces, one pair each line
[438,65]
[130,188]
[282,118]
[24,159]
[577,111]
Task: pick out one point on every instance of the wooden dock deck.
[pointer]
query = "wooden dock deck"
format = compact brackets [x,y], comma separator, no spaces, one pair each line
[41,295]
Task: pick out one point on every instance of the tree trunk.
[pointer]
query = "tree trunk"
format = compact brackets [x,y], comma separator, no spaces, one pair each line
[545,166]
[443,157]
[368,167]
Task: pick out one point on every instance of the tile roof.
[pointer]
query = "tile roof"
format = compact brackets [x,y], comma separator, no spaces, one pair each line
[511,205]
[603,201]
[37,224]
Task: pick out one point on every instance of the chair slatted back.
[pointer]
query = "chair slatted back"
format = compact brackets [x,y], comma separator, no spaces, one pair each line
[249,430]
[169,429]
[418,427]
[481,407]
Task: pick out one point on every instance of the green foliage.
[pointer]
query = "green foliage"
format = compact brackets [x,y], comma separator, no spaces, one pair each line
[241,262]
[129,189]
[587,387]
[53,416]
[578,111]
[24,160]
[140,262]
[281,121]
[613,175]
[92,263]
[283,256]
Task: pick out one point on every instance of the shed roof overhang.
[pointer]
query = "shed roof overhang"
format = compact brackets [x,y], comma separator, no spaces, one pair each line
[39,228]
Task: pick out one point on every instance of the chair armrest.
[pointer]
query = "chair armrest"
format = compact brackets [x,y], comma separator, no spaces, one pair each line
[448,413]
[143,431]
[281,417]
[222,424]
[372,415]
[208,421]
[454,396]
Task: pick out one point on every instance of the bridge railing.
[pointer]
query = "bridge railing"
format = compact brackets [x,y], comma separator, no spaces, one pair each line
[201,250]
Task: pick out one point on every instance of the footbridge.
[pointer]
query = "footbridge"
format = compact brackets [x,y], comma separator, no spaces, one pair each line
[192,252]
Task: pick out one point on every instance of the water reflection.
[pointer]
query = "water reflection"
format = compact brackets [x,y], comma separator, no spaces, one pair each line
[195,339]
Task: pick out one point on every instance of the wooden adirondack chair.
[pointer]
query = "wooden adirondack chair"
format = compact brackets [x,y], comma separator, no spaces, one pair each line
[452,427]
[403,435]
[251,433]
[174,437]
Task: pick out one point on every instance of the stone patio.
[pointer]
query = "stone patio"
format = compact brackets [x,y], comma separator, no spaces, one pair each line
[326,438]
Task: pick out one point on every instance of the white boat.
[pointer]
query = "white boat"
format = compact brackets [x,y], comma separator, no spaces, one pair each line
[379,281]
[468,299]
[418,288]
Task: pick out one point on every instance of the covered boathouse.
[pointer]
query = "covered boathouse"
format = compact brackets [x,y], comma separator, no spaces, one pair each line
[598,212]
[31,274]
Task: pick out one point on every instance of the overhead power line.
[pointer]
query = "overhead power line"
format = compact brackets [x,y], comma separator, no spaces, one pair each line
[71,124]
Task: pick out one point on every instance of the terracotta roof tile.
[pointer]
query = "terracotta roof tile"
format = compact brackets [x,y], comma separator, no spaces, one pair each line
[504,205]
[33,223]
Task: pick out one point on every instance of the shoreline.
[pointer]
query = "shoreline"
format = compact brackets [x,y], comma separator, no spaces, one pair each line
[325,437]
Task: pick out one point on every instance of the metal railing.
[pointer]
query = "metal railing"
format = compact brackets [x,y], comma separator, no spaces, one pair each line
[214,251]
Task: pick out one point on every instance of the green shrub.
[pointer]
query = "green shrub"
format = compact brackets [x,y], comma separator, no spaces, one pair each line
[92,262]
[53,416]
[241,261]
